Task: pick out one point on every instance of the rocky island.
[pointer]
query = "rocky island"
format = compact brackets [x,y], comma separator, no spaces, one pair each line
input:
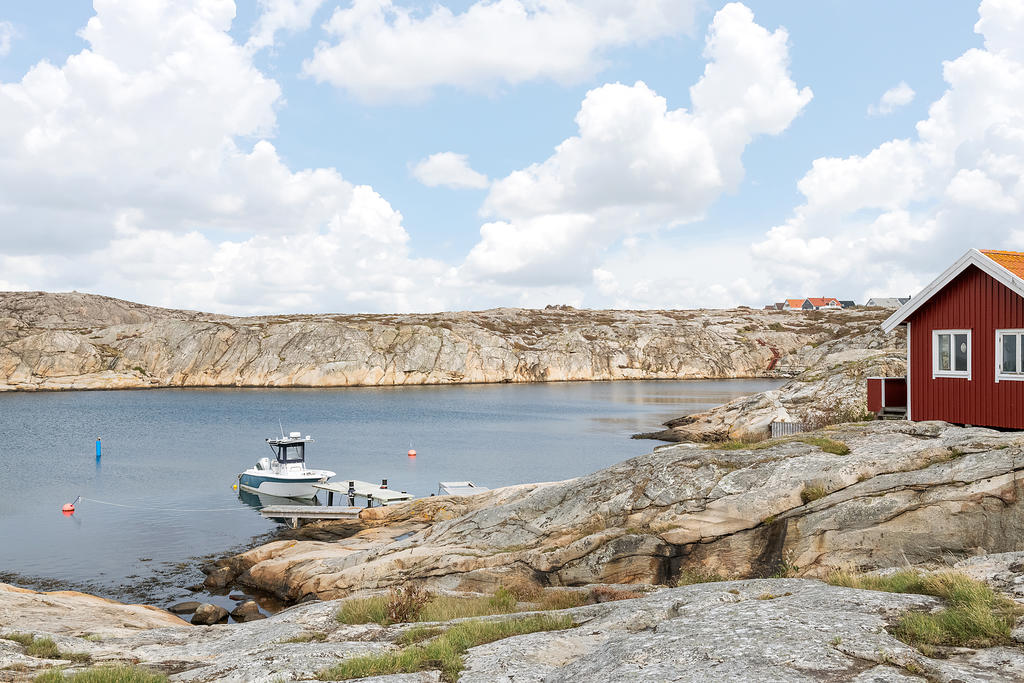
[81,341]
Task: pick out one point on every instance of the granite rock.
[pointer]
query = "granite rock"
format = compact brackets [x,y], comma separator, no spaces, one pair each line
[80,341]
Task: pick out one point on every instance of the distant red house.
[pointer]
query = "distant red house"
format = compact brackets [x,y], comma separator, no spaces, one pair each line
[965,336]
[819,302]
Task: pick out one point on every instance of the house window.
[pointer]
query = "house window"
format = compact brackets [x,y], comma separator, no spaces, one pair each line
[951,353]
[1009,361]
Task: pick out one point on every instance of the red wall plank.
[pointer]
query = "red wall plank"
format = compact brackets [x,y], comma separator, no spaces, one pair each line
[976,302]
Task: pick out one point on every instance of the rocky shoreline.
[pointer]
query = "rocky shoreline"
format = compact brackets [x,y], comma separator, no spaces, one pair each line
[854,496]
[861,497]
[73,341]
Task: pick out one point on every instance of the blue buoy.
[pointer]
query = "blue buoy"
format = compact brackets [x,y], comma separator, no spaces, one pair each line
[99,448]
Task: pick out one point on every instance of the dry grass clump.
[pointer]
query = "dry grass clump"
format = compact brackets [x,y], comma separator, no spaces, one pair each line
[443,651]
[689,577]
[609,594]
[813,492]
[562,599]
[524,589]
[975,615]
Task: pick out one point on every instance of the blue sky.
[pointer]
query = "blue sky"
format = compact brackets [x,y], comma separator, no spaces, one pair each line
[135,234]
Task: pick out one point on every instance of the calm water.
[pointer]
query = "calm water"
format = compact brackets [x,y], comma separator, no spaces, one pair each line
[180,450]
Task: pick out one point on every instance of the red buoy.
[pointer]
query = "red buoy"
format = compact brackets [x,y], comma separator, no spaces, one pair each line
[68,509]
[412,453]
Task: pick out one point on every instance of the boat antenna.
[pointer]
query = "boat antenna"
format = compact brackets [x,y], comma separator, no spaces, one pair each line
[281,426]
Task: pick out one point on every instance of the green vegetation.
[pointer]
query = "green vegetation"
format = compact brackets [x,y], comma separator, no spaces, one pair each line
[826,444]
[812,492]
[975,616]
[409,604]
[44,648]
[443,651]
[823,442]
[103,674]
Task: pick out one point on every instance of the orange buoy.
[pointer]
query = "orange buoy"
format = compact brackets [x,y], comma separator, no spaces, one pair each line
[68,509]
[412,453]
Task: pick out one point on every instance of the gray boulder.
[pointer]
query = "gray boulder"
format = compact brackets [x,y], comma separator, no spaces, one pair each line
[208,614]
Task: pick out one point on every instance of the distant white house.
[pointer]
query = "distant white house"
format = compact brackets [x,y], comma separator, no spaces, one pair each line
[888,302]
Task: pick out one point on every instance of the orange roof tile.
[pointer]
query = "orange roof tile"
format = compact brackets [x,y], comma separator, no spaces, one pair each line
[1013,261]
[795,303]
[822,301]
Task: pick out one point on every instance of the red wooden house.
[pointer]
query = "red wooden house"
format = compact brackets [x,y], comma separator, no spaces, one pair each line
[965,335]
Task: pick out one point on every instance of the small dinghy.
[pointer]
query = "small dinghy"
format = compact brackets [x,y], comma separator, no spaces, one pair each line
[286,476]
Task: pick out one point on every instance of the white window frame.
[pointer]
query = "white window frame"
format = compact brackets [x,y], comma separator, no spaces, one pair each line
[961,374]
[1000,375]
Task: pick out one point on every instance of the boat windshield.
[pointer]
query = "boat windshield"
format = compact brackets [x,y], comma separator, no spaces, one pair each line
[291,452]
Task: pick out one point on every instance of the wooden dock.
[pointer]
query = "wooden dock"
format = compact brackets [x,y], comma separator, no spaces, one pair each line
[350,488]
[353,488]
[296,514]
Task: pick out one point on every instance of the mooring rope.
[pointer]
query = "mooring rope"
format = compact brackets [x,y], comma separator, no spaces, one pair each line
[237,508]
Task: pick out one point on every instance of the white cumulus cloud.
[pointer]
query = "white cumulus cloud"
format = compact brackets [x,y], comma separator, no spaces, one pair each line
[888,221]
[384,51]
[892,99]
[448,169]
[141,168]
[637,166]
[281,15]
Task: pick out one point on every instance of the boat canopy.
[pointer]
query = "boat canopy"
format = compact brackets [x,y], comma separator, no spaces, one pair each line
[290,449]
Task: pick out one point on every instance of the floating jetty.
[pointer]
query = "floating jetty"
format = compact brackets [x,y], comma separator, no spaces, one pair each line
[373,493]
[351,488]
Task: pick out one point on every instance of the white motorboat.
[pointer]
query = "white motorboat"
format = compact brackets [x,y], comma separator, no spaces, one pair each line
[286,476]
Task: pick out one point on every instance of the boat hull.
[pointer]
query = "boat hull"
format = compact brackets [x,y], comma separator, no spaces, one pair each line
[282,487]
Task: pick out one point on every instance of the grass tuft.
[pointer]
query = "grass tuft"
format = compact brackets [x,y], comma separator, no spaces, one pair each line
[45,648]
[313,636]
[381,610]
[823,442]
[813,492]
[975,615]
[826,444]
[103,674]
[444,651]
[562,599]
[609,594]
